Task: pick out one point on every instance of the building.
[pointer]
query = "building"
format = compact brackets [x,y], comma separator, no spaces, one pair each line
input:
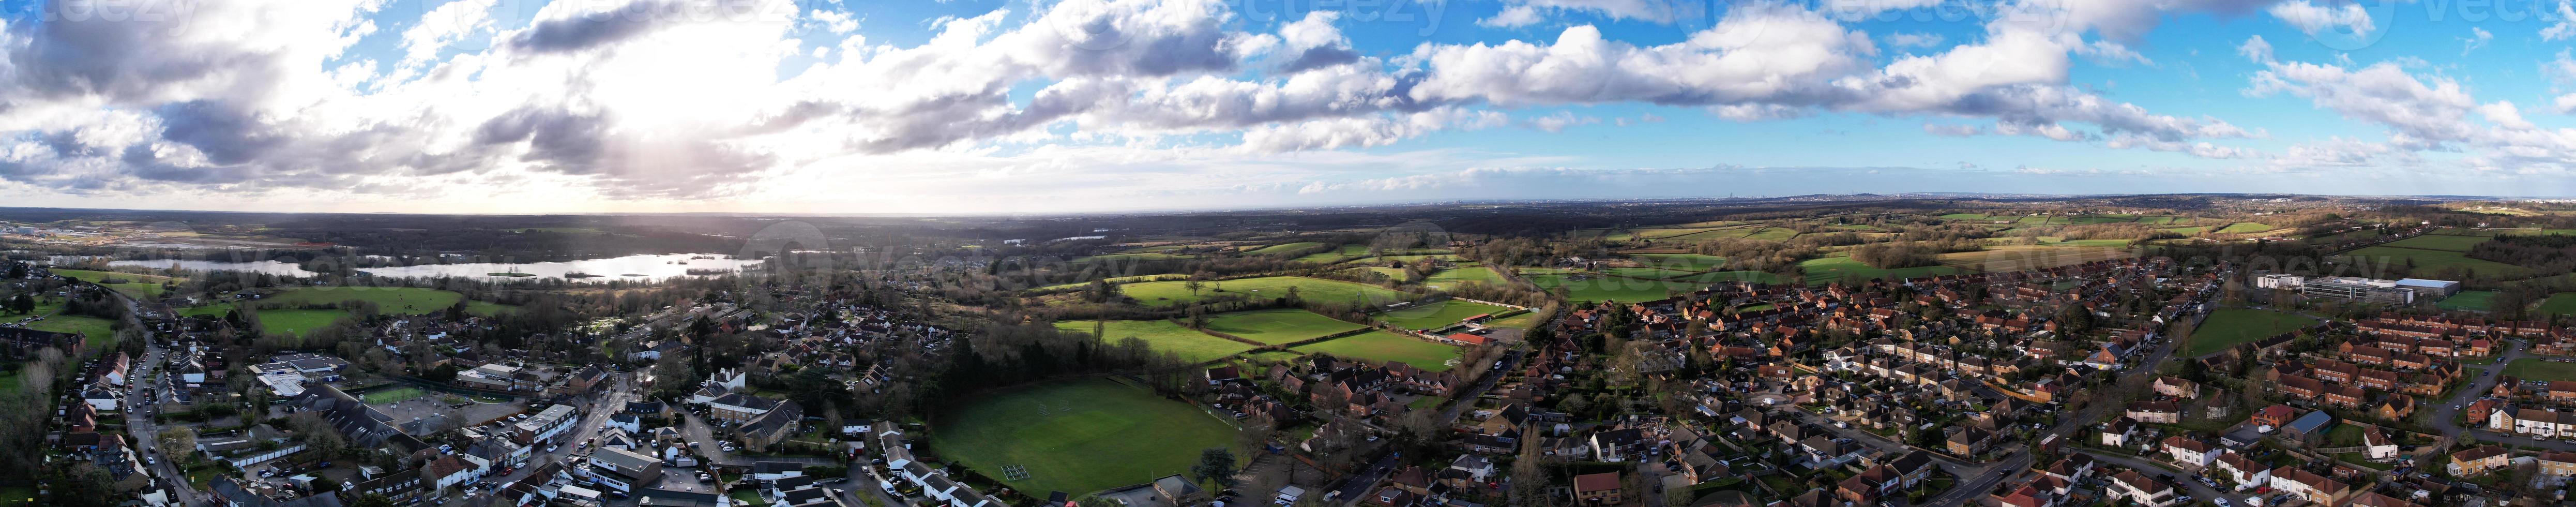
[622,470]
[2309,485]
[2138,488]
[1597,489]
[2349,288]
[545,426]
[2479,460]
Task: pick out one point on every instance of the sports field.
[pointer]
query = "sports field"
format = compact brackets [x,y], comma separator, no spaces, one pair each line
[2431,262]
[1280,326]
[1836,267]
[2476,300]
[1193,346]
[393,395]
[2231,326]
[2563,303]
[2532,368]
[96,333]
[1169,293]
[2441,242]
[1451,277]
[1437,315]
[1384,346]
[1595,288]
[1077,436]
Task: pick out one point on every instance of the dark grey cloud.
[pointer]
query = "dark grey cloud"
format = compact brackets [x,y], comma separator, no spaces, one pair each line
[225,133]
[596,29]
[1320,57]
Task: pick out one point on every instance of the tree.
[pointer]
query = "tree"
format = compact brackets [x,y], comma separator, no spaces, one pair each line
[1216,465]
[372,500]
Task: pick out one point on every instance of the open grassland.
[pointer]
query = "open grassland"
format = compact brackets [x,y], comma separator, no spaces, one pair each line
[1840,266]
[1280,326]
[392,300]
[1773,233]
[1284,248]
[1730,276]
[1116,281]
[1171,293]
[133,285]
[2230,326]
[1595,288]
[2476,300]
[1437,315]
[2563,303]
[1646,273]
[2430,262]
[1165,336]
[1450,278]
[2440,242]
[1681,261]
[1670,233]
[2532,368]
[2245,228]
[1077,436]
[1383,346]
[297,322]
[1525,320]
[2004,258]
[96,333]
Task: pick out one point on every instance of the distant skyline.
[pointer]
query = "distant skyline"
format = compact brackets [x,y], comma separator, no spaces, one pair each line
[1023,106]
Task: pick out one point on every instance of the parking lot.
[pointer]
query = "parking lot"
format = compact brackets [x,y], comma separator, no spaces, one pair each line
[429,408]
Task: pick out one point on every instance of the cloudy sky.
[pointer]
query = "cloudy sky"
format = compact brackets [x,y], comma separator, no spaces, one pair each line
[883,106]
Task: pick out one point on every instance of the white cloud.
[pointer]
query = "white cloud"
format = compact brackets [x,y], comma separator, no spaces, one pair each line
[2255,49]
[1914,40]
[2311,18]
[2565,24]
[2478,38]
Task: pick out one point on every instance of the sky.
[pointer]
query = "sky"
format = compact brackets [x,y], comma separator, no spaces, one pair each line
[1032,106]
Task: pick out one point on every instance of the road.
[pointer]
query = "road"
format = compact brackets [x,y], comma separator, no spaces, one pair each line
[2195,489]
[146,385]
[2445,413]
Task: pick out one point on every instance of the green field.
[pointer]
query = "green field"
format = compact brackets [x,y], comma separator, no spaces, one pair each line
[390,300]
[1773,233]
[2476,300]
[1346,252]
[1730,276]
[1680,261]
[1384,346]
[1275,327]
[2246,228]
[1836,267]
[2231,326]
[1479,274]
[393,395]
[2532,368]
[1115,281]
[2440,242]
[1646,273]
[1169,293]
[1193,346]
[297,322]
[1525,320]
[1437,315]
[1580,287]
[136,286]
[1284,248]
[2563,303]
[2430,262]
[1078,436]
[2186,231]
[96,333]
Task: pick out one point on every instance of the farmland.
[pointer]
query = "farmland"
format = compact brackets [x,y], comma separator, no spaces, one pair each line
[1168,293]
[1277,327]
[1437,315]
[2440,242]
[1384,346]
[2430,262]
[1448,278]
[1079,435]
[2472,300]
[1840,266]
[1582,287]
[134,285]
[1165,336]
[2563,303]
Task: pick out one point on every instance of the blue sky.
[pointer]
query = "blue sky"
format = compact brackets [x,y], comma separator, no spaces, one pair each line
[510,106]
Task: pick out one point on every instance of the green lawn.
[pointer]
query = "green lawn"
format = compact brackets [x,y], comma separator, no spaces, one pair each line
[2430,262]
[2246,228]
[2530,368]
[1170,293]
[1193,346]
[1279,326]
[1284,248]
[2440,242]
[1077,436]
[393,395]
[1836,267]
[1346,252]
[2476,300]
[2231,326]
[1596,288]
[95,332]
[2563,303]
[1385,346]
[1680,261]
[1478,274]
[1436,315]
[136,286]
[1525,320]
[297,322]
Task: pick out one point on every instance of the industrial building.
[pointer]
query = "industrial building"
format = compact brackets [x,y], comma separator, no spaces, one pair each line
[2367,290]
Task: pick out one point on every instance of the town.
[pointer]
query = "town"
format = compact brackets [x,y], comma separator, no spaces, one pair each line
[2087,351]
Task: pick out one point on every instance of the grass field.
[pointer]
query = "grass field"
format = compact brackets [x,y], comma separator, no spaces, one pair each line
[2476,300]
[1479,274]
[1967,216]
[1593,288]
[1731,276]
[1078,436]
[2563,303]
[1437,315]
[1646,273]
[1346,252]
[1193,346]
[2440,242]
[1284,248]
[1525,320]
[1385,346]
[1116,280]
[390,300]
[2245,228]
[2231,326]
[96,333]
[1279,326]
[2001,258]
[136,286]
[393,395]
[2430,262]
[298,322]
[1165,293]
[2532,368]
[1836,267]
[1773,233]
